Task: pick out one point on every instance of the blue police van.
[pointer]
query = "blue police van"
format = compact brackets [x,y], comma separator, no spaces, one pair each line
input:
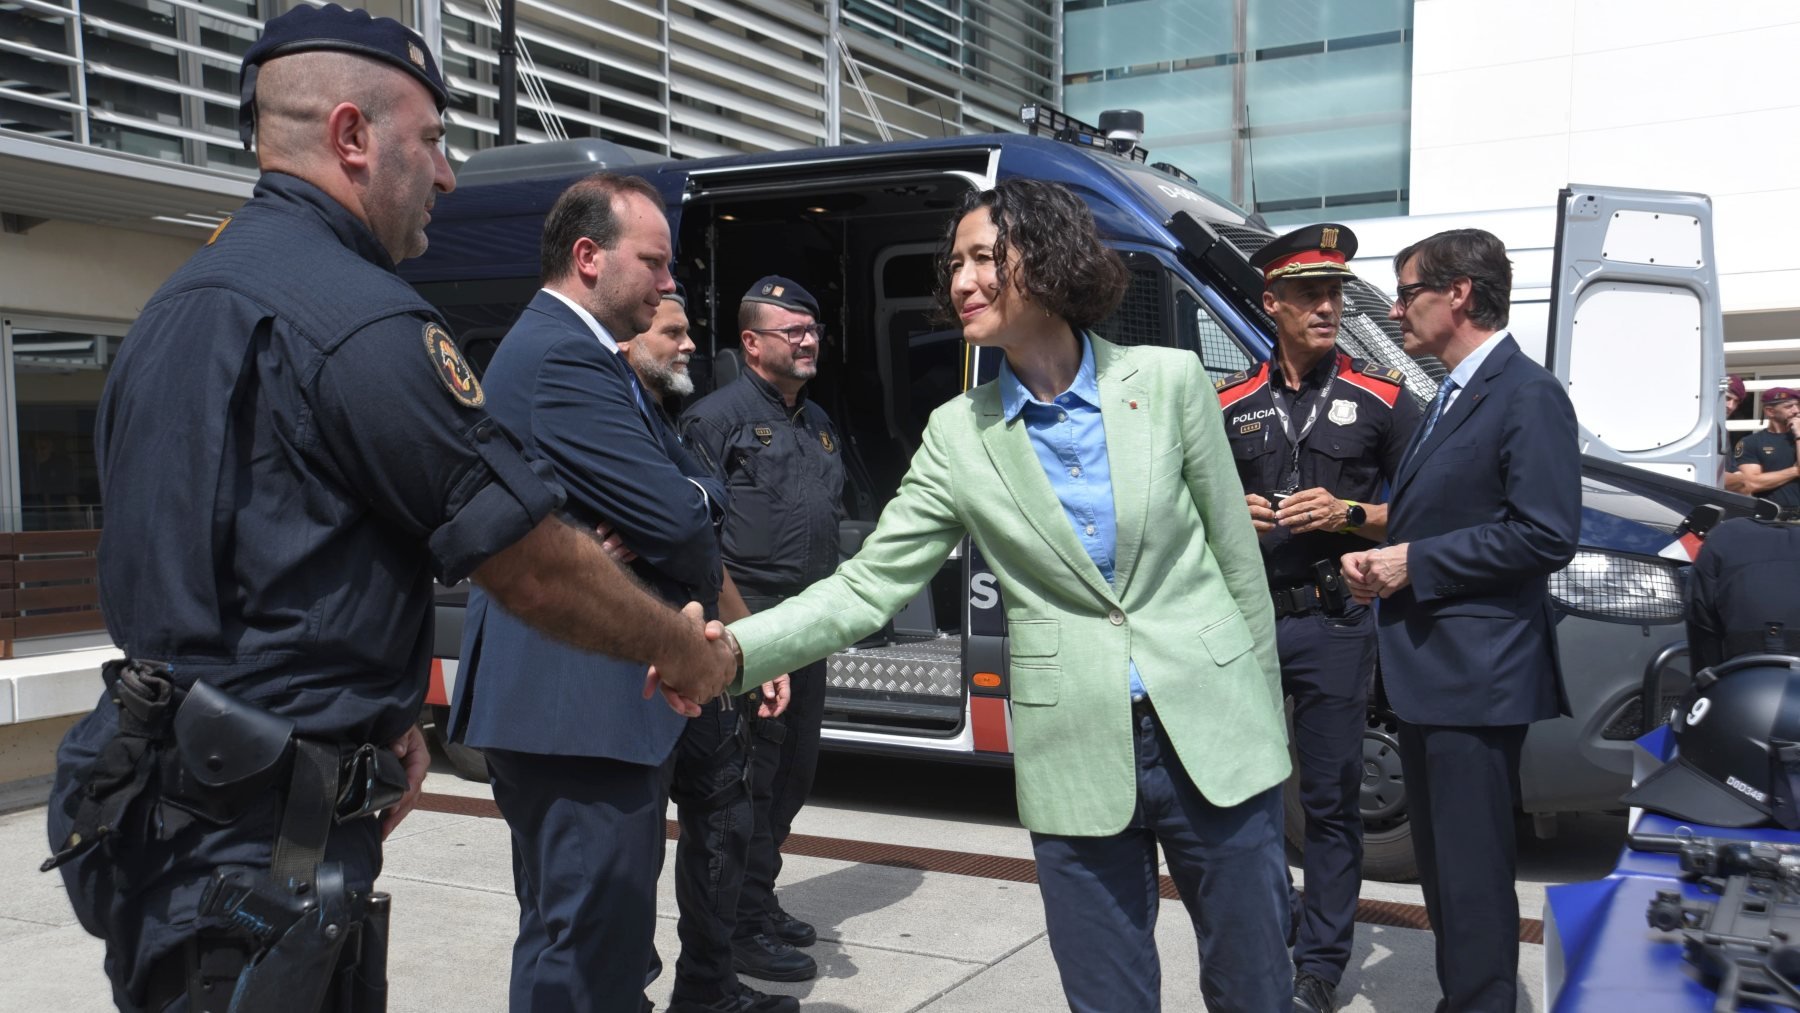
[860,227]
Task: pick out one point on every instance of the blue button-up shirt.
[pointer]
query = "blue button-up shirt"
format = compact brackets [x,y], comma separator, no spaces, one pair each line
[1070,441]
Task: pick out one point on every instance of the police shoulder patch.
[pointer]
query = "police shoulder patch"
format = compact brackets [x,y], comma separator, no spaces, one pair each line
[448,363]
[1380,372]
[1223,383]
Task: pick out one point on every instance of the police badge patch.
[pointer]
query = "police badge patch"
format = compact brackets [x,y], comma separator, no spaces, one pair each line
[448,362]
[1342,413]
[825,441]
[764,434]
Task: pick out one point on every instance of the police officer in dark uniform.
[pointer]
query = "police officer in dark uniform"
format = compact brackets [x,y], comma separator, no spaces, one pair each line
[1764,463]
[1317,435]
[291,449]
[1742,593]
[782,463]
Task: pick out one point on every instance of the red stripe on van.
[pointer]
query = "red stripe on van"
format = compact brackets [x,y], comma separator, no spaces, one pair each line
[987,718]
[436,696]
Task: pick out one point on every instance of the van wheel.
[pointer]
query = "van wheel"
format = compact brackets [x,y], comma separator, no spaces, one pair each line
[469,763]
[1387,836]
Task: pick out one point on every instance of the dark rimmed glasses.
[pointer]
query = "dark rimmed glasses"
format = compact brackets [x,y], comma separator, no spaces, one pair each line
[1405,294]
[796,334]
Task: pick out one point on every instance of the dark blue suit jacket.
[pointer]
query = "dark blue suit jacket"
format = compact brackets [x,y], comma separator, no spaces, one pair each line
[575,403]
[1491,504]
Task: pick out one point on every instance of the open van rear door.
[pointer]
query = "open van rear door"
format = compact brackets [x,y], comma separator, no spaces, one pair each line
[1635,327]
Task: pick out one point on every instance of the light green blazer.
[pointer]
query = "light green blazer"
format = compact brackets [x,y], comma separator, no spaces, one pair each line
[1189,599]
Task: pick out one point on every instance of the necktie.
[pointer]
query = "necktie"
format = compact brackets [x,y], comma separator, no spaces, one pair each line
[1437,409]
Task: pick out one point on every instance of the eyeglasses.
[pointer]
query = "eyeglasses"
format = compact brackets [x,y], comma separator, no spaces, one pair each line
[1405,294]
[796,334]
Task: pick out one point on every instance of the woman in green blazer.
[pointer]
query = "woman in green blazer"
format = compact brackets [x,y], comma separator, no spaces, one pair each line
[1097,482]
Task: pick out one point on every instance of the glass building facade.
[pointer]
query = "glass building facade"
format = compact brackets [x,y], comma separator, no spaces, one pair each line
[1300,108]
[158,80]
[686,78]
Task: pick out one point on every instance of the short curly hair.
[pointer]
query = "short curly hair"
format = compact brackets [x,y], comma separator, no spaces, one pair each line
[1063,265]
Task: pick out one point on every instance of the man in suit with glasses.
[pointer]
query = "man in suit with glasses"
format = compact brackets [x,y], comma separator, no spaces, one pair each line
[782,463]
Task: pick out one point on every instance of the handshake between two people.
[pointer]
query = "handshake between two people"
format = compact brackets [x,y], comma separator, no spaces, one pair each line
[695,675]
[697,668]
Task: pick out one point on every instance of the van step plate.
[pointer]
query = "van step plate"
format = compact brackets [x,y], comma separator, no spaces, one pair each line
[928,668]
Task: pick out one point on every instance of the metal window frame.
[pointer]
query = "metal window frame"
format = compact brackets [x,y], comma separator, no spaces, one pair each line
[10,507]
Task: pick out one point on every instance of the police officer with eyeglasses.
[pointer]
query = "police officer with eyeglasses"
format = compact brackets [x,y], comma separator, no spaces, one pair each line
[783,465]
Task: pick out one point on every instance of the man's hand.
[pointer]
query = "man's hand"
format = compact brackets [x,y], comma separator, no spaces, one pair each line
[613,545]
[697,669]
[1312,510]
[1262,515]
[415,756]
[775,695]
[1376,573]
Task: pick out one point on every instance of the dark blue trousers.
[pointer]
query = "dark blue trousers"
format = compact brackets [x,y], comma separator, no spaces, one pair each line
[587,839]
[1100,894]
[1462,787]
[784,759]
[708,779]
[1326,666]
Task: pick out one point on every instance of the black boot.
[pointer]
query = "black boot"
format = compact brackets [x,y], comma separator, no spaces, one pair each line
[766,957]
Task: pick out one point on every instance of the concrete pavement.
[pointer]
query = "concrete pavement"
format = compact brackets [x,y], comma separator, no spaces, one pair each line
[892,939]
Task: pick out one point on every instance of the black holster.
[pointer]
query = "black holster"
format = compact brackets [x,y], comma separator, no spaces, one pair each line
[319,949]
[1334,595]
[293,938]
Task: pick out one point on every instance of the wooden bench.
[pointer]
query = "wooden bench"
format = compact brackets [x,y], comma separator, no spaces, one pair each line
[49,585]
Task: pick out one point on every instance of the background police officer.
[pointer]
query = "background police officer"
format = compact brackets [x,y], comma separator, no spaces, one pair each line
[1764,463]
[1316,435]
[1741,596]
[782,464]
[708,772]
[292,448]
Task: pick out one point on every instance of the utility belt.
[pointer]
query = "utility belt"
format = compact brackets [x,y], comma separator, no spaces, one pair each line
[282,938]
[1326,593]
[1771,638]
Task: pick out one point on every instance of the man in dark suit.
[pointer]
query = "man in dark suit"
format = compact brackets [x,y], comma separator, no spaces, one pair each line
[1487,504]
[574,750]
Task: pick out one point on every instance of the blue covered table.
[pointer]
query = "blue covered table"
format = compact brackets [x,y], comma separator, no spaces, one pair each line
[1600,953]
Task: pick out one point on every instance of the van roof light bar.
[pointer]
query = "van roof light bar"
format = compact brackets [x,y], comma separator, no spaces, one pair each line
[1176,172]
[1039,118]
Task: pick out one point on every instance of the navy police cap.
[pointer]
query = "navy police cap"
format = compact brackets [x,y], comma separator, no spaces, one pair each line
[307,28]
[1316,251]
[785,293]
[678,297]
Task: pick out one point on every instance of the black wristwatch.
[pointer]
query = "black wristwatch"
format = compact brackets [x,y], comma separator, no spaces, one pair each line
[1354,516]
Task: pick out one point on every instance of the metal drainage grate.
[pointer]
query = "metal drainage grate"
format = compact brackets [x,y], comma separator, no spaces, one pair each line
[963,863]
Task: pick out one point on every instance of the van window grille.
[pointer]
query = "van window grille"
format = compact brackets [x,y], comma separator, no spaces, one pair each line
[1218,352]
[1139,318]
